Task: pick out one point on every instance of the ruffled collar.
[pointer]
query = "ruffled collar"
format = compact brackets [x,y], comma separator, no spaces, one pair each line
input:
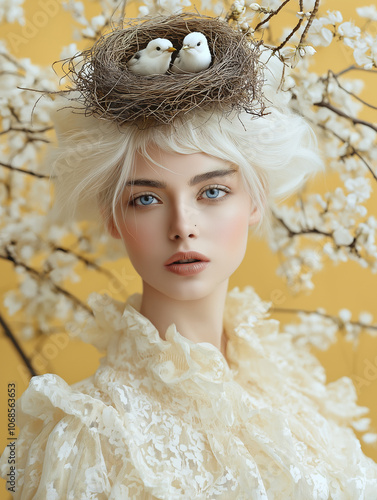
[129,337]
[259,358]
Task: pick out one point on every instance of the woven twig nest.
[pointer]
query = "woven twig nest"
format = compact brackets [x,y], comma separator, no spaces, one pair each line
[108,90]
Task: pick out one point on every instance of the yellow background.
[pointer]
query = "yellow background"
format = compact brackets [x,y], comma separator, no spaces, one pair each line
[336,287]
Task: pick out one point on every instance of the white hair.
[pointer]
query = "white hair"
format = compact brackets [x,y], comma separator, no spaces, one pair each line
[94,159]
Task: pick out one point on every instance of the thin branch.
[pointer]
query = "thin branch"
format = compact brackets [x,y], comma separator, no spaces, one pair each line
[356,153]
[353,67]
[13,60]
[10,73]
[14,114]
[39,275]
[292,233]
[348,91]
[297,27]
[28,172]
[353,151]
[355,121]
[9,334]
[335,319]
[273,13]
[309,23]
[88,262]
[26,130]
[83,259]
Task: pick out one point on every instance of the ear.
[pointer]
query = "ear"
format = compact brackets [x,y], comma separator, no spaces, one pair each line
[254,216]
[113,231]
[110,225]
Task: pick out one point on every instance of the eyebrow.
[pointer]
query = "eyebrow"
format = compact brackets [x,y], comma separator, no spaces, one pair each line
[192,182]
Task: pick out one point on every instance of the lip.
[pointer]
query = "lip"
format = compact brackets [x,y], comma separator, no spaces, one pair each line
[185,256]
[190,268]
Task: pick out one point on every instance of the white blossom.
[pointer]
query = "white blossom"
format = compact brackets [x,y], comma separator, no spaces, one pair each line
[366,318]
[349,32]
[313,329]
[69,51]
[318,34]
[254,6]
[360,188]
[12,11]
[369,437]
[368,12]
[333,17]
[345,315]
[342,236]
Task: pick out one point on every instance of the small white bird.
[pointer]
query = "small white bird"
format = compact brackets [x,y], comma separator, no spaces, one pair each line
[194,56]
[154,59]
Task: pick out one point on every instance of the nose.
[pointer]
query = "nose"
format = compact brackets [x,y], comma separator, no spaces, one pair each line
[182,224]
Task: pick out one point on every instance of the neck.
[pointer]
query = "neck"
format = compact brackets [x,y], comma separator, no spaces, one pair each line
[199,320]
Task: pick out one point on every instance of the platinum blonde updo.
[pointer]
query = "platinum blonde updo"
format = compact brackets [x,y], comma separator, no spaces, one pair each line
[93,159]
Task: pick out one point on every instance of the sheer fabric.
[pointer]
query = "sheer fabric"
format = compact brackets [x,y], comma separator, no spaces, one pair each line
[171,419]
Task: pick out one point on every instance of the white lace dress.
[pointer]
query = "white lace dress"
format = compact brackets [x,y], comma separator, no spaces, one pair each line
[175,420]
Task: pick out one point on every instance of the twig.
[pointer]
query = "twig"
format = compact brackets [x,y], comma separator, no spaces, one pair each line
[88,262]
[335,319]
[349,92]
[273,13]
[11,73]
[297,27]
[309,23]
[302,231]
[355,68]
[292,234]
[353,151]
[34,174]
[26,130]
[9,334]
[13,60]
[57,288]
[355,121]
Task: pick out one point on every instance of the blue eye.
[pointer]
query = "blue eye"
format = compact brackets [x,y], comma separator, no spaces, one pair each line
[212,193]
[145,200]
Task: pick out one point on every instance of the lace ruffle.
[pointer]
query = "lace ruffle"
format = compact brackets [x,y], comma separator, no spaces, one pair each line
[171,419]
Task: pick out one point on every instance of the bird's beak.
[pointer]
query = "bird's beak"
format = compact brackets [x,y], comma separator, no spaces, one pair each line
[171,49]
[186,47]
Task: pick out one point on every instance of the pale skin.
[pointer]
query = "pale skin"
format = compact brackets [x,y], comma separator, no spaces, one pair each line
[196,203]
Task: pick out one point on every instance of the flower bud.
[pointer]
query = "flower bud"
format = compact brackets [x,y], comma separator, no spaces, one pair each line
[255,6]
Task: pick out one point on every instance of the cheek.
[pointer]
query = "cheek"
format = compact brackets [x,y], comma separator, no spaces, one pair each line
[139,237]
[231,228]
[235,231]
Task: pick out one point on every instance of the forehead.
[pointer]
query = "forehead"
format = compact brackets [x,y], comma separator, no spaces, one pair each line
[170,165]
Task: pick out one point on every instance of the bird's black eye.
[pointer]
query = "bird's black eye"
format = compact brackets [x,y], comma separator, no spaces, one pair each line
[198,44]
[158,48]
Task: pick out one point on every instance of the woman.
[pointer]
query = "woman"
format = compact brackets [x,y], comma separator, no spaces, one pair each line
[199,394]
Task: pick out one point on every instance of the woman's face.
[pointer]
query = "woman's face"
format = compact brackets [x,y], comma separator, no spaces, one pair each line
[196,203]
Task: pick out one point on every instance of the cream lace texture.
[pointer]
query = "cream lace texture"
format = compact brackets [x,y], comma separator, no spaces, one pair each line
[171,419]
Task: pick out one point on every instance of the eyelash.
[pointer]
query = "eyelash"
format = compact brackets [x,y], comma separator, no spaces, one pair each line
[224,189]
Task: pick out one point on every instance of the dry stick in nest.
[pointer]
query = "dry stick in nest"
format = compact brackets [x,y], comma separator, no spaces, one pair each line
[108,90]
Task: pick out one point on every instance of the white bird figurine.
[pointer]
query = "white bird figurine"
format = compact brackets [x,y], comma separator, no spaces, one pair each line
[154,59]
[194,56]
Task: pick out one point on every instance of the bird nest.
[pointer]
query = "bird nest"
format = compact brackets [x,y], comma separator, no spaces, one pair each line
[109,90]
